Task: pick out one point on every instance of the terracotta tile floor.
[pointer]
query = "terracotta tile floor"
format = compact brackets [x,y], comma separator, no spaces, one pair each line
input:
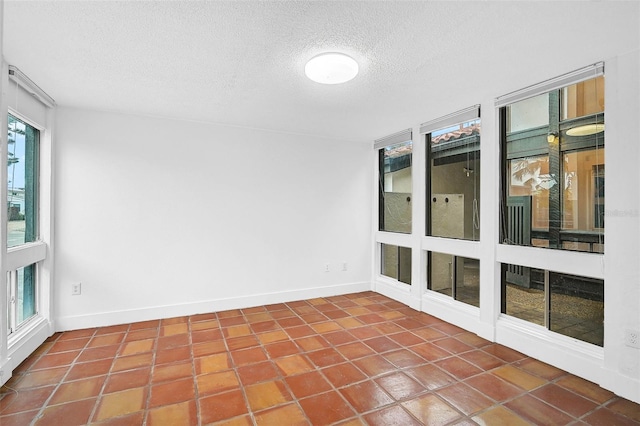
[359,359]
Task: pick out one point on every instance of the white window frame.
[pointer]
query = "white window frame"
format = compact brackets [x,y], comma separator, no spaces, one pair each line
[17,346]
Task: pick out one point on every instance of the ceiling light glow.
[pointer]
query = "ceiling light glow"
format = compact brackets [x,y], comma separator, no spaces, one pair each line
[331,68]
[586,130]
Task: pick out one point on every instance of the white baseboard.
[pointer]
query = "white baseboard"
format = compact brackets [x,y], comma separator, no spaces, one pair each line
[398,292]
[576,357]
[23,344]
[101,319]
[625,386]
[456,313]
[6,371]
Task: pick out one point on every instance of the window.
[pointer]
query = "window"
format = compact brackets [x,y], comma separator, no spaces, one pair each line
[567,304]
[396,263]
[22,182]
[22,216]
[553,169]
[455,276]
[453,175]
[553,194]
[395,186]
[22,296]
[27,268]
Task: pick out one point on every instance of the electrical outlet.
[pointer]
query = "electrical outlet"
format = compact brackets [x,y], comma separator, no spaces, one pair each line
[632,338]
[76,289]
[344,266]
[326,267]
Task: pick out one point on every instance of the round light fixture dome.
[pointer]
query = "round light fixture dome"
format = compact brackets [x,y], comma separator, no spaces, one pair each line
[331,68]
[586,130]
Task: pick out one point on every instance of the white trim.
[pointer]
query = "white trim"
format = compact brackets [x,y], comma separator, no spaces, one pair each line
[394,139]
[25,254]
[100,319]
[26,340]
[28,85]
[464,115]
[457,313]
[564,261]
[397,291]
[559,82]
[394,238]
[456,247]
[577,357]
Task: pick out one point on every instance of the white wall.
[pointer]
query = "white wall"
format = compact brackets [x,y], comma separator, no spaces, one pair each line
[158,218]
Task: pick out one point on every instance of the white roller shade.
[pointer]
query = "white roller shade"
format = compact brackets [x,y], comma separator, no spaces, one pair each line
[467,114]
[568,79]
[396,138]
[27,99]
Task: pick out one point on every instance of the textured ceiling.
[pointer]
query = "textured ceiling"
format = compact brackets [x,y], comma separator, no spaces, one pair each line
[242,63]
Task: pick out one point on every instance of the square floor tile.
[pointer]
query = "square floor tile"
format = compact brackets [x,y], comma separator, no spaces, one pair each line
[464,398]
[267,394]
[400,386]
[326,408]
[431,410]
[183,413]
[307,384]
[172,392]
[366,396]
[217,382]
[222,406]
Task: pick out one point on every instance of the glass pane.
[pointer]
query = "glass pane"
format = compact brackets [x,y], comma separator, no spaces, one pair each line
[529,177]
[396,263]
[455,276]
[585,98]
[22,195]
[583,200]
[454,200]
[524,293]
[26,294]
[395,188]
[389,265]
[468,281]
[441,278]
[528,113]
[577,307]
[404,265]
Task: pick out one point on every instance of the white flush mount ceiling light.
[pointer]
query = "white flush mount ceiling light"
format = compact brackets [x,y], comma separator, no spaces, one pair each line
[586,130]
[331,68]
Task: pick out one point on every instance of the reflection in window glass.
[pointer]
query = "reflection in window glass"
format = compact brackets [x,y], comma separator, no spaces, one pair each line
[585,98]
[395,188]
[553,176]
[583,199]
[528,113]
[455,276]
[529,177]
[22,179]
[396,263]
[454,191]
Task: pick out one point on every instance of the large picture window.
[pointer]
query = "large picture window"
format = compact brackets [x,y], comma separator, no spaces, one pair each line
[552,196]
[453,175]
[395,185]
[22,216]
[553,169]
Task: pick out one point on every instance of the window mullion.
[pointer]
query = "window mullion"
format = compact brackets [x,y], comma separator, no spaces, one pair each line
[555,170]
